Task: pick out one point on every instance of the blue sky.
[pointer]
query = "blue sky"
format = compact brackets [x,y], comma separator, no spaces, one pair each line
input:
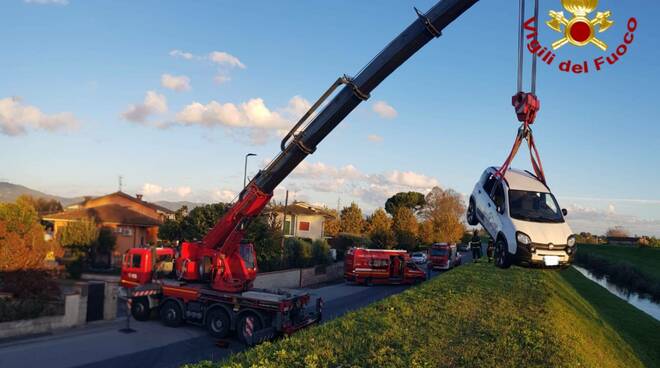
[172,94]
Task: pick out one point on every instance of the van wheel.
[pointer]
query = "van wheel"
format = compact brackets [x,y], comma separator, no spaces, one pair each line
[171,314]
[502,256]
[242,328]
[140,309]
[217,322]
[471,214]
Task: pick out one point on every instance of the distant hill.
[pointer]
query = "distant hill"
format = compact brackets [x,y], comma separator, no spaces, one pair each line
[9,192]
[174,206]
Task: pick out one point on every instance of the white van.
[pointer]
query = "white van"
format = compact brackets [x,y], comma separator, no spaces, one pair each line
[523,217]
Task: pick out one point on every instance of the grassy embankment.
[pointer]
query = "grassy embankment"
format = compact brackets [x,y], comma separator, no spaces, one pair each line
[634,268]
[476,316]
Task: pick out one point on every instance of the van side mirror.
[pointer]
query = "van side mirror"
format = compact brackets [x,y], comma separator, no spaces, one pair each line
[564,212]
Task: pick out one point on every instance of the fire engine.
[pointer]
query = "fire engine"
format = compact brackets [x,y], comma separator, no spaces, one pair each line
[381,266]
[443,256]
[210,282]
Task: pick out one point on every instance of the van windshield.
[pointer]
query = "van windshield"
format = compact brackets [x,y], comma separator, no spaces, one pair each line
[438,252]
[534,206]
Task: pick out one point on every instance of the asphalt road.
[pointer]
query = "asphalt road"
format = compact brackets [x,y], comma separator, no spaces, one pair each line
[100,344]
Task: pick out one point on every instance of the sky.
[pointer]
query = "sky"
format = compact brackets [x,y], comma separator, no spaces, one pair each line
[171,95]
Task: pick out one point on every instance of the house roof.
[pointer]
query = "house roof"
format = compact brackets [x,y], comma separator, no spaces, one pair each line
[302,208]
[110,213]
[131,198]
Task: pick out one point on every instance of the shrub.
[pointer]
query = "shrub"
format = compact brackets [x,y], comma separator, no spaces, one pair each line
[298,253]
[321,252]
[345,241]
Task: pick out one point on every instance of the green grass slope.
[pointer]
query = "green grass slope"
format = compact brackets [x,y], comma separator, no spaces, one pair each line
[646,260]
[474,316]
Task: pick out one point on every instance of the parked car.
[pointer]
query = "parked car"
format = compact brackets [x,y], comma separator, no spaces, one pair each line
[521,214]
[418,257]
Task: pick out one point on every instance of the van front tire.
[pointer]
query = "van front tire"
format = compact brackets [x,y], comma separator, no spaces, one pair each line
[502,255]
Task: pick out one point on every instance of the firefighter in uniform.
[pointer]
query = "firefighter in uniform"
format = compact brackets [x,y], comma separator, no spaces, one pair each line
[475,245]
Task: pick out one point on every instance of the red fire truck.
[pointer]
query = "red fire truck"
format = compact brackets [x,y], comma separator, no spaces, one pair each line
[380,266]
[209,281]
[444,256]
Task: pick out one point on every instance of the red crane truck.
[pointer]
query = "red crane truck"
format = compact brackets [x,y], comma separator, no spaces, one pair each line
[381,266]
[443,256]
[211,280]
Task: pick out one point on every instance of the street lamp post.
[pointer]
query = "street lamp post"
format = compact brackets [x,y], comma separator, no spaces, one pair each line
[245,169]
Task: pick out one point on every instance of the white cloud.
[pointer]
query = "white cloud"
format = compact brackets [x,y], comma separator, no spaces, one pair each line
[176,83]
[221,78]
[149,189]
[384,110]
[47,2]
[597,221]
[226,59]
[182,54]
[411,179]
[153,104]
[253,115]
[223,195]
[16,118]
[183,191]
[155,190]
[374,138]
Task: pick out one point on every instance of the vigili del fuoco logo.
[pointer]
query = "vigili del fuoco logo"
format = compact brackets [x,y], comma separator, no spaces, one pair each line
[580,28]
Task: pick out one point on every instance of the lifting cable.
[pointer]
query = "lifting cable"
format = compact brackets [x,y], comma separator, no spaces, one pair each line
[526,104]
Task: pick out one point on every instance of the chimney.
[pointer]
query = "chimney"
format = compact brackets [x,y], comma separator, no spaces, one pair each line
[138,196]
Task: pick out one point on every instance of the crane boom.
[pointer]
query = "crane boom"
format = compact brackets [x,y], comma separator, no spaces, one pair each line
[225,237]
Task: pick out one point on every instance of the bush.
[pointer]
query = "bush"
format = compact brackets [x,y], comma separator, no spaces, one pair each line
[321,252]
[19,309]
[298,253]
[74,267]
[344,241]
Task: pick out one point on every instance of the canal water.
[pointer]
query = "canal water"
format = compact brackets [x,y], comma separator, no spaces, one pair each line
[640,302]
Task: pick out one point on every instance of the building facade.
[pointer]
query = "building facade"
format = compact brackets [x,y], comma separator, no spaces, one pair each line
[303,220]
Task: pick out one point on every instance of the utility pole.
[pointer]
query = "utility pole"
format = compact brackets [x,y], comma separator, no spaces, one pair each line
[286,203]
[245,168]
[121,182]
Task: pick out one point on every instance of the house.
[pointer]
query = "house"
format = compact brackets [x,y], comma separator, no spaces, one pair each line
[134,221]
[623,240]
[303,220]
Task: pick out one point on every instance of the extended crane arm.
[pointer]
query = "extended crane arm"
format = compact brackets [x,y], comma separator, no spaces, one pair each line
[227,233]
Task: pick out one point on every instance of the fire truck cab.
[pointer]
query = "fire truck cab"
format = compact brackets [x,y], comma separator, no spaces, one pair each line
[444,256]
[381,266]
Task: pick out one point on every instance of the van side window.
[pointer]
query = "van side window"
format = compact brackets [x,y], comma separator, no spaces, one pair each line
[488,184]
[137,261]
[498,195]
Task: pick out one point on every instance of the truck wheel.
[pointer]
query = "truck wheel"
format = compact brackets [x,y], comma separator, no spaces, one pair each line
[171,314]
[471,214]
[502,256]
[140,309]
[217,322]
[242,328]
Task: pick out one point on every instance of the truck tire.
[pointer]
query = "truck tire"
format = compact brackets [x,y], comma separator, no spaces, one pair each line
[140,309]
[472,214]
[171,314]
[242,328]
[217,323]
[502,256]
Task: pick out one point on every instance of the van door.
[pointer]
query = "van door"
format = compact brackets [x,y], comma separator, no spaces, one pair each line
[486,206]
[499,207]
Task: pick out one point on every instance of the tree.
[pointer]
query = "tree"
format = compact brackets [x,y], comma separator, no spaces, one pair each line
[617,231]
[380,229]
[171,229]
[22,244]
[351,220]
[331,226]
[444,210]
[42,205]
[405,227]
[427,234]
[201,219]
[412,200]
